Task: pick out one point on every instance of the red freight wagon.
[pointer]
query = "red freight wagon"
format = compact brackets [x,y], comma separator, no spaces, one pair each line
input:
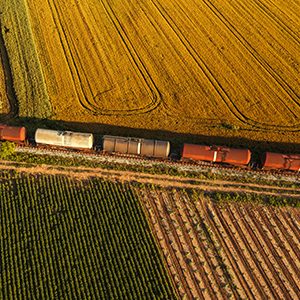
[281,161]
[216,154]
[13,134]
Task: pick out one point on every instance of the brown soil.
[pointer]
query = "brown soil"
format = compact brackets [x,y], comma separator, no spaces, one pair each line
[239,251]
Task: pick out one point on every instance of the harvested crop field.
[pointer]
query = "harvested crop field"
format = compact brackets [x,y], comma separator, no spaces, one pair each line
[234,251]
[4,105]
[24,74]
[199,67]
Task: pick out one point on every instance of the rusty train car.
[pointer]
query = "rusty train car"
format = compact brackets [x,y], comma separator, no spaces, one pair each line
[150,148]
[278,161]
[218,154]
[12,133]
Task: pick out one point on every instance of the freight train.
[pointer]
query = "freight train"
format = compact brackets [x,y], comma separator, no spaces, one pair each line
[150,148]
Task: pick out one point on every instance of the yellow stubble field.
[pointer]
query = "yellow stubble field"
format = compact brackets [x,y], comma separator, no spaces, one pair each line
[4,105]
[200,67]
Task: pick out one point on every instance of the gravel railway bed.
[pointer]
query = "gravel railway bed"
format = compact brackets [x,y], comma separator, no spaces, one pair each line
[198,167]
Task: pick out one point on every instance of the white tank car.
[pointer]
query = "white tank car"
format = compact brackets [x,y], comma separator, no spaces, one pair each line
[64,138]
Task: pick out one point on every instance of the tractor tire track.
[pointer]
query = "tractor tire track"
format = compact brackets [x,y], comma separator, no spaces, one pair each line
[285,86]
[157,99]
[273,17]
[202,66]
[74,71]
[221,91]
[75,65]
[136,62]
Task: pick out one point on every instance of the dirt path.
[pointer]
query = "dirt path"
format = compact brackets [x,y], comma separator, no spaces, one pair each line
[157,179]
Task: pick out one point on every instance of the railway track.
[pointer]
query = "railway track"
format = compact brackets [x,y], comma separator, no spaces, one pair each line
[189,166]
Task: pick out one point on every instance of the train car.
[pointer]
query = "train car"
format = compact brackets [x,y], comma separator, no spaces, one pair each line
[12,134]
[219,154]
[279,161]
[136,146]
[69,139]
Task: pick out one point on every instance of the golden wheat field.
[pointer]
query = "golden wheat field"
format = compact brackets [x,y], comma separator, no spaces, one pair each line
[3,97]
[227,68]
[4,104]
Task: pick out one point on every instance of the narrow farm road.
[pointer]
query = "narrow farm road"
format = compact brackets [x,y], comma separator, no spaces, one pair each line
[212,185]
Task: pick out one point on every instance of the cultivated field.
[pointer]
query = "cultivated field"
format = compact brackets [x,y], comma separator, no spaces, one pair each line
[201,67]
[25,68]
[236,251]
[87,239]
[76,232]
[4,105]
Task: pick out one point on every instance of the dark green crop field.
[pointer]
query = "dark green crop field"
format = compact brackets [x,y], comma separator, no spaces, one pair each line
[66,238]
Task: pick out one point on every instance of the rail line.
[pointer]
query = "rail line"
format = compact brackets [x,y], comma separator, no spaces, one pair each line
[190,166]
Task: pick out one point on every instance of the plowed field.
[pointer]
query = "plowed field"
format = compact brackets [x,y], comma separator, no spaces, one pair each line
[202,67]
[237,251]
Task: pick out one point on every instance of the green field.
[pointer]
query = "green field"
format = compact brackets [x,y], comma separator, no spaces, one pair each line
[66,238]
